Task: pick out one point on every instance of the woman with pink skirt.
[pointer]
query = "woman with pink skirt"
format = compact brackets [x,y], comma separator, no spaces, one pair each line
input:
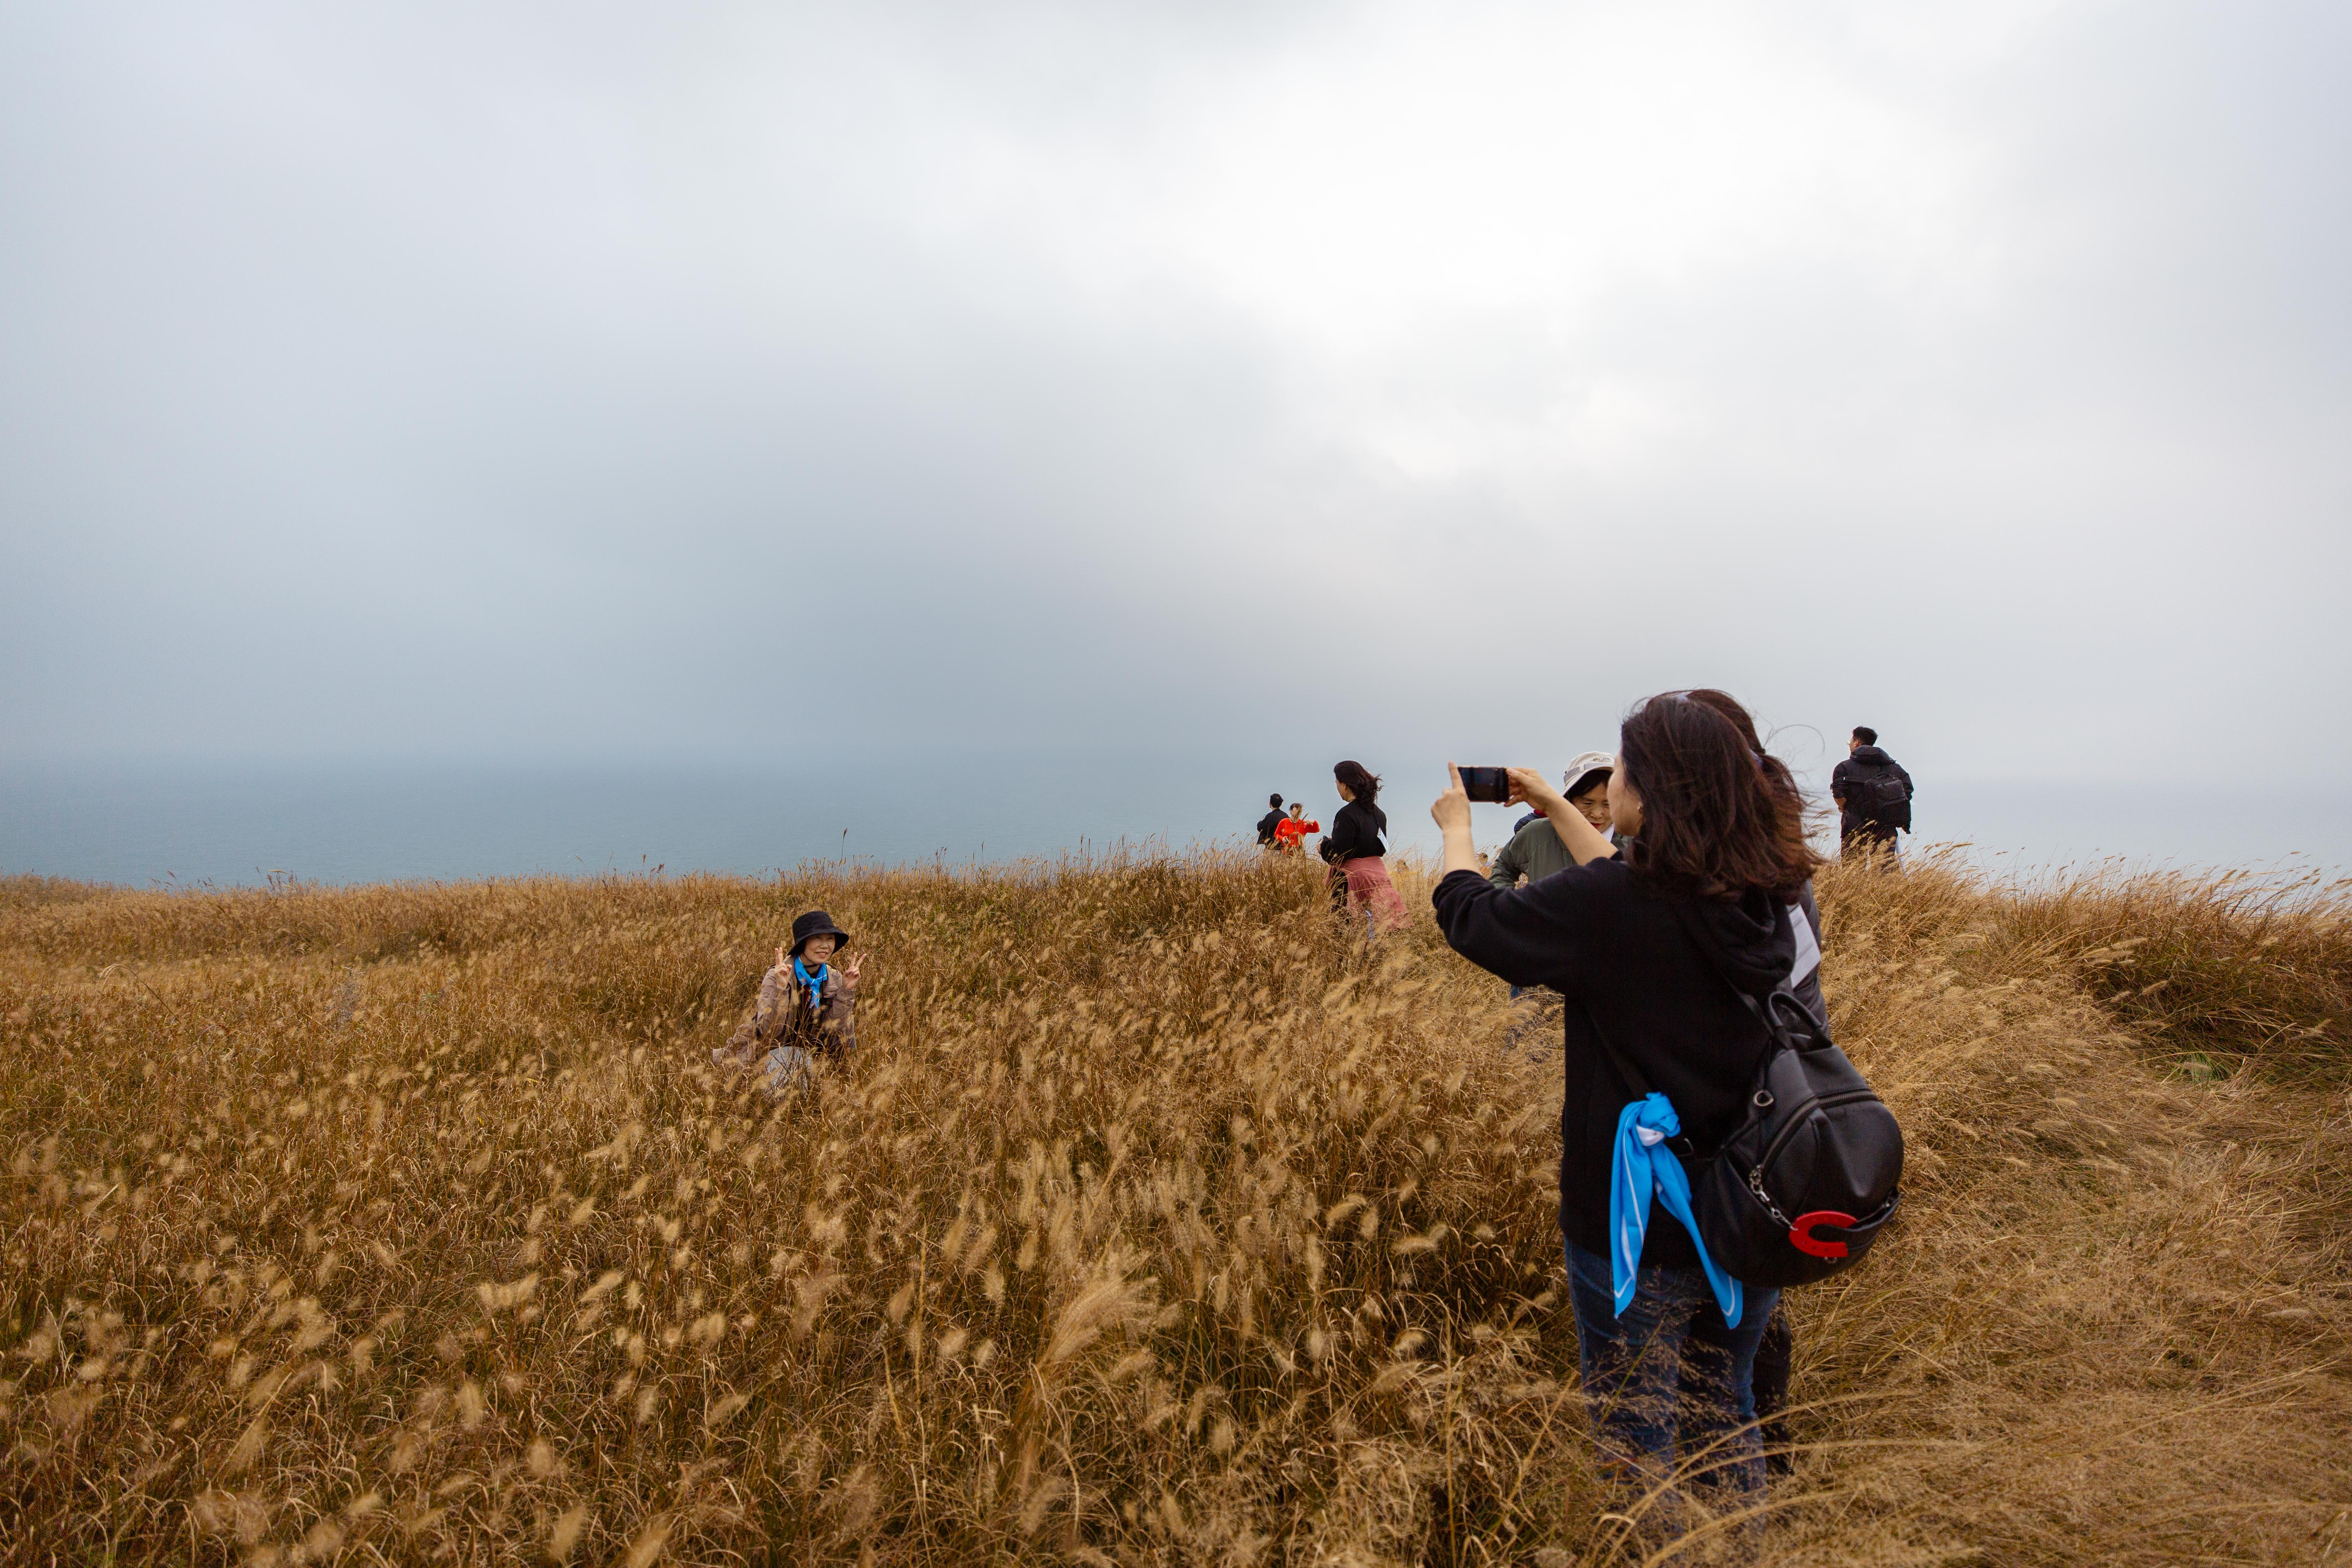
[1359,872]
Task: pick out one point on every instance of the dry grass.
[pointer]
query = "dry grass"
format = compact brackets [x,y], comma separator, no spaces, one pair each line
[2223,972]
[1158,1222]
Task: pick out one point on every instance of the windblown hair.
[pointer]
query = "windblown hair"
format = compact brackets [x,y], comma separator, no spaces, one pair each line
[1364,784]
[1725,703]
[1718,817]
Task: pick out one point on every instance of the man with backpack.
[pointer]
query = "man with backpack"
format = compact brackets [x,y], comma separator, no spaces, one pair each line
[1873,797]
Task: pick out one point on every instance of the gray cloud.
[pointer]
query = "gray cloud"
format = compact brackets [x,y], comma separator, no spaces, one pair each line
[536,382]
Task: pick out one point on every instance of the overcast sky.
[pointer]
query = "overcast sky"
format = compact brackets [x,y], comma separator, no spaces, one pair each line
[589,381]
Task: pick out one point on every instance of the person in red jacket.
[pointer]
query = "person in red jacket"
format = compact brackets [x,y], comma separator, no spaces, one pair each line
[1292,831]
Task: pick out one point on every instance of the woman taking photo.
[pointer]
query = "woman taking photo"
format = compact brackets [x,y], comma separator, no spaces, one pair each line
[1360,870]
[1648,947]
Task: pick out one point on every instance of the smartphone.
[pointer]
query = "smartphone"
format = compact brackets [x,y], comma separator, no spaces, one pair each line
[1488,783]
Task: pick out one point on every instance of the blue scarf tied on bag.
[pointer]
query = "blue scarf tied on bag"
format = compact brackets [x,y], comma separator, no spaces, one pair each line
[814,983]
[1642,1165]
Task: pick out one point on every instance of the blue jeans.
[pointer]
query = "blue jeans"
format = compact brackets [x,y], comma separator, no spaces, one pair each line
[1670,1373]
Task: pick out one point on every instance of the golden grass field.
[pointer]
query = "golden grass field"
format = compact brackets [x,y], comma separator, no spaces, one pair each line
[1158,1221]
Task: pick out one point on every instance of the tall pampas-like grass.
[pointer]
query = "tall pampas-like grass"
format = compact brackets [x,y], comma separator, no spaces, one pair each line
[1159,1219]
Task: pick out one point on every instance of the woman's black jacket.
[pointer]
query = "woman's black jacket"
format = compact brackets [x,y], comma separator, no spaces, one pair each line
[1654,974]
[1355,831]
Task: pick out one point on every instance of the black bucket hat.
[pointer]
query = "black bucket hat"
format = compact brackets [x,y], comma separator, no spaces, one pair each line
[816,923]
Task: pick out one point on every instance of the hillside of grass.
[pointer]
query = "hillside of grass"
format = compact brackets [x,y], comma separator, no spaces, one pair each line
[1158,1221]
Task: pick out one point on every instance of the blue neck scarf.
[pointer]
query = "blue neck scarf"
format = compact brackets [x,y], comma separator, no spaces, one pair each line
[1643,1165]
[814,982]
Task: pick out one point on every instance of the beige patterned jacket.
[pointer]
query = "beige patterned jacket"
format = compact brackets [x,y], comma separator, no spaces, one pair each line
[782,1018]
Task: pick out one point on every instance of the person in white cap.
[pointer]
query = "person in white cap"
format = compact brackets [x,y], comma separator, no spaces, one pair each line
[1536,851]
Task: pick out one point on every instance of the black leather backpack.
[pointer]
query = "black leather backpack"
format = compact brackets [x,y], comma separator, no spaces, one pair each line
[1801,1188]
[1880,796]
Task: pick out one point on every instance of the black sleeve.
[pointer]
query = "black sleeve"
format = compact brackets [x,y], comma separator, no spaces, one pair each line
[1540,934]
[1838,775]
[1907,790]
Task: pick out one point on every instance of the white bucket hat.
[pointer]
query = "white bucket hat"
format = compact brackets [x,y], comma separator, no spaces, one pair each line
[1583,768]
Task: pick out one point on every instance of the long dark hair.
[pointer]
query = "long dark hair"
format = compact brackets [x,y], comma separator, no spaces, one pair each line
[1361,781]
[1718,817]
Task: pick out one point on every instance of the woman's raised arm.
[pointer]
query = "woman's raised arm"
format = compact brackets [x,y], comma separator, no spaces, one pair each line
[1450,812]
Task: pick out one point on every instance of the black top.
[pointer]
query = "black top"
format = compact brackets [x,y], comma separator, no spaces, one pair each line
[1635,964]
[1355,832]
[1268,823]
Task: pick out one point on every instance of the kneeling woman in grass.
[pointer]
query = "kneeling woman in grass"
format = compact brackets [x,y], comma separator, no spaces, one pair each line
[1652,949]
[807,1007]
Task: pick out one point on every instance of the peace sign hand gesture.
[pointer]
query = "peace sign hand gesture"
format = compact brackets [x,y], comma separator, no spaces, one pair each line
[849,971]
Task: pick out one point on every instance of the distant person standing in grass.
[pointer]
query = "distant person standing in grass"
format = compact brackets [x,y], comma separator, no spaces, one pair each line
[1873,797]
[1271,823]
[1358,858]
[807,1011]
[1292,831]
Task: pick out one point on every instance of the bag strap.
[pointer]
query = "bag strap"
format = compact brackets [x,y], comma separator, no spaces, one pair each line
[1636,1080]
[1776,1029]
[1778,1036]
[1778,1033]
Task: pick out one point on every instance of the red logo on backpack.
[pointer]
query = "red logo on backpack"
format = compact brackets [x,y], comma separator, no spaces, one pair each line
[1801,1236]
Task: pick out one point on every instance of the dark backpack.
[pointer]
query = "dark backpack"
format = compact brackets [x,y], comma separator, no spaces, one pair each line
[1880,797]
[1801,1188]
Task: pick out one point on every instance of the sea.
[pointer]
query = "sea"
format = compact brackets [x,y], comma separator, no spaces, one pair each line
[188,825]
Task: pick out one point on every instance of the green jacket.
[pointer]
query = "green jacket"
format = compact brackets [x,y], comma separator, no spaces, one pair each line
[1534,852]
